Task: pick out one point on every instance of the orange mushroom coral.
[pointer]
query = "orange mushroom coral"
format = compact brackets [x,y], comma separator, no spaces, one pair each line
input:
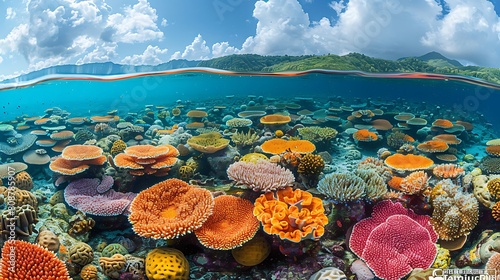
[147,159]
[433,146]
[275,119]
[364,135]
[450,139]
[291,214]
[231,224]
[278,146]
[442,123]
[76,159]
[409,162]
[493,150]
[170,209]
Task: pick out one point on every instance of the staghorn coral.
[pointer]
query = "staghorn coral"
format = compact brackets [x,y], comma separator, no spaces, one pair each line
[262,176]
[293,215]
[455,213]
[245,139]
[317,134]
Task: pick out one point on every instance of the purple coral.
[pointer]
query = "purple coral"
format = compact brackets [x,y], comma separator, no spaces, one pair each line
[95,197]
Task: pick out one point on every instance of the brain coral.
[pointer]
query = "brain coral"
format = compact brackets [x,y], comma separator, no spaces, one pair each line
[291,214]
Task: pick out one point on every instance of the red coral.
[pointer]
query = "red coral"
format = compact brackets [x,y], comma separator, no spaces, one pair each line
[394,240]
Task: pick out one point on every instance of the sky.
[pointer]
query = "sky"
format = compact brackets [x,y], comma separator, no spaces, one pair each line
[36,34]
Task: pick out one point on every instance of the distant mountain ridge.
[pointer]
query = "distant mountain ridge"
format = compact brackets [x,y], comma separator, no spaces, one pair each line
[432,62]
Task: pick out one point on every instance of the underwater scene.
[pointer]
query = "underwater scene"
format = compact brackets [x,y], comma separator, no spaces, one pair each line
[200,173]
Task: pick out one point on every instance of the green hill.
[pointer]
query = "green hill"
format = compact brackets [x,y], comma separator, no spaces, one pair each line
[429,63]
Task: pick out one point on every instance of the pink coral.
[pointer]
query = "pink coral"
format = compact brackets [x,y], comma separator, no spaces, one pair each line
[387,244]
[97,198]
[262,176]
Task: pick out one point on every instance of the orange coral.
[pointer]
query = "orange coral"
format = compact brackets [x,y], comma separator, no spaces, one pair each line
[104,119]
[364,135]
[442,123]
[76,159]
[147,159]
[414,183]
[279,145]
[170,209]
[408,162]
[450,139]
[493,150]
[31,261]
[62,135]
[231,224]
[292,214]
[81,152]
[449,170]
[275,119]
[196,114]
[495,211]
[395,182]
[433,146]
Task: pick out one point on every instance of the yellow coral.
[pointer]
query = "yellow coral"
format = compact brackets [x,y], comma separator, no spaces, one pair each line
[167,263]
[89,272]
[279,133]
[253,252]
[253,157]
[494,187]
[208,142]
[317,134]
[118,147]
[245,139]
[186,172]
[23,181]
[443,258]
[311,165]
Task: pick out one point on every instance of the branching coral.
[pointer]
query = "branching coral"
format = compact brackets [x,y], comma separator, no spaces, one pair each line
[245,139]
[262,176]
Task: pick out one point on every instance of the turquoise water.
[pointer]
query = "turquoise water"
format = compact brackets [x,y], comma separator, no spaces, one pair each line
[95,95]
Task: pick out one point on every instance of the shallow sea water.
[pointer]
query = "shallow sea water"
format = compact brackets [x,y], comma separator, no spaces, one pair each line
[427,96]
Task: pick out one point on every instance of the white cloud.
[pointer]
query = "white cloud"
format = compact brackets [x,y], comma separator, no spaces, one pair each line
[164,22]
[197,50]
[10,13]
[385,28]
[81,31]
[471,32]
[150,56]
[223,49]
[137,24]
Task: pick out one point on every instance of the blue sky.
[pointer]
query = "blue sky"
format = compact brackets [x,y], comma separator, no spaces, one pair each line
[36,34]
